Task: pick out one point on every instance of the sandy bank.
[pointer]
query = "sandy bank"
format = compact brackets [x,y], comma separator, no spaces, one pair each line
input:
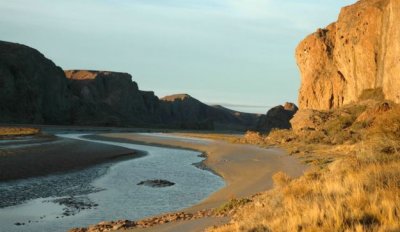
[246,169]
[37,157]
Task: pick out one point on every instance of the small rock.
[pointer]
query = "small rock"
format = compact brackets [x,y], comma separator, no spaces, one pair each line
[156,183]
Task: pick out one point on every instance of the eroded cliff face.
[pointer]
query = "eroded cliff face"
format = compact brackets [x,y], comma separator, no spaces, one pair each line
[358,52]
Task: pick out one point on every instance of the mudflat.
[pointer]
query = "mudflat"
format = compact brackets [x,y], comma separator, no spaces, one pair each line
[31,157]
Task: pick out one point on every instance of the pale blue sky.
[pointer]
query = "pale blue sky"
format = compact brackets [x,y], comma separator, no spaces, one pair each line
[232,52]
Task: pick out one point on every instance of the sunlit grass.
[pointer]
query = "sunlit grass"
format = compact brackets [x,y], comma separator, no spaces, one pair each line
[18,131]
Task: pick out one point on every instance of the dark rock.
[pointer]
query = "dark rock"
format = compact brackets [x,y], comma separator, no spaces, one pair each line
[186,112]
[108,99]
[277,118]
[74,205]
[156,183]
[32,88]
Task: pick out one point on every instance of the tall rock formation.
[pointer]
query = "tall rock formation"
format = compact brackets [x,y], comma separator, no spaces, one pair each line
[359,52]
[32,88]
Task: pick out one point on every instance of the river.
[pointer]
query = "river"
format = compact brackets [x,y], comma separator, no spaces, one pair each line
[107,191]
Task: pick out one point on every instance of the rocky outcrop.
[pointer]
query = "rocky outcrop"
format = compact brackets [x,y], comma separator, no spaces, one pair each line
[32,88]
[357,53]
[277,118]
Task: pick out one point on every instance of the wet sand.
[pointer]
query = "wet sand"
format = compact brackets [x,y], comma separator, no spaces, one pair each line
[42,156]
[246,169]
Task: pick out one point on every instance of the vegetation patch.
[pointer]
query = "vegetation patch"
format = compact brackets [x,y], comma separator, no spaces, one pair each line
[231,206]
[372,94]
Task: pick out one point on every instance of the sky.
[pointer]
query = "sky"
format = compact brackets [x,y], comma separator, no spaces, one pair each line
[237,53]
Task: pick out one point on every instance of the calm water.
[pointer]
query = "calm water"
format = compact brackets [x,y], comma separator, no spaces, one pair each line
[110,190]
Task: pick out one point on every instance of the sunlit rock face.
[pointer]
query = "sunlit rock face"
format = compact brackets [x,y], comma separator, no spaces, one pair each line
[358,52]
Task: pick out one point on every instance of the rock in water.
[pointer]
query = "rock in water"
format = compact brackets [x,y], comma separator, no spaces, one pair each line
[156,183]
[357,53]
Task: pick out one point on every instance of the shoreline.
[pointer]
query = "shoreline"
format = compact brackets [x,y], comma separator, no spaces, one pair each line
[246,170]
[200,165]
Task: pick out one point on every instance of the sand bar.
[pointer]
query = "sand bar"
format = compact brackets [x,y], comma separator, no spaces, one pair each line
[38,157]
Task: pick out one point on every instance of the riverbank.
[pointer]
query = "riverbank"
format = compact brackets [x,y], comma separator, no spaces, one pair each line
[246,169]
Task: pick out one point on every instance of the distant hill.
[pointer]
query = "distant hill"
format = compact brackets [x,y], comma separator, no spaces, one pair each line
[183,108]
[34,90]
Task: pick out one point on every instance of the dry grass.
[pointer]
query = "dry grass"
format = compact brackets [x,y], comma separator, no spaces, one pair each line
[232,206]
[360,193]
[18,131]
[353,186]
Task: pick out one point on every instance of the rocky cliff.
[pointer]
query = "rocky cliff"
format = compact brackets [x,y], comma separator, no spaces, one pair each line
[359,52]
[32,88]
